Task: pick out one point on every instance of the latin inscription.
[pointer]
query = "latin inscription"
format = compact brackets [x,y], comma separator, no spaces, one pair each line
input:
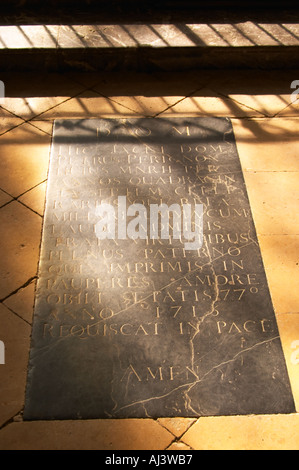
[145,327]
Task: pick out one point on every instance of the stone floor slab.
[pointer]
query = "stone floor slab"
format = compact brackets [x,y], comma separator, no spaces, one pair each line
[288,325]
[8,121]
[244,433]
[35,198]
[266,104]
[4,198]
[268,144]
[274,198]
[264,144]
[24,161]
[30,107]
[90,105]
[15,333]
[131,386]
[177,426]
[209,103]
[22,302]
[280,256]
[141,434]
[20,231]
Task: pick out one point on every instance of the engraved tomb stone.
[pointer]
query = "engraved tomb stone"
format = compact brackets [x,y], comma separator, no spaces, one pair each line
[144,327]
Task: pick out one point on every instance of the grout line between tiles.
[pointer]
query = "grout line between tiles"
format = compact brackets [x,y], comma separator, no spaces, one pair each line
[31,279]
[283,109]
[53,107]
[171,106]
[10,195]
[189,95]
[11,112]
[30,189]
[39,114]
[117,102]
[30,208]
[179,439]
[17,314]
[14,127]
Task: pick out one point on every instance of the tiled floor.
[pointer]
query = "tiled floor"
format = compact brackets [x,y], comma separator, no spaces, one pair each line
[266,125]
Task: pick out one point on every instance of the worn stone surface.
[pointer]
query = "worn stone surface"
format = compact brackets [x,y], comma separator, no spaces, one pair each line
[276,432]
[147,328]
[149,46]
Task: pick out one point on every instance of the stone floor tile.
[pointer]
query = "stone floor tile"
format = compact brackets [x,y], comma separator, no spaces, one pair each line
[110,434]
[8,120]
[24,159]
[246,33]
[15,333]
[288,324]
[31,107]
[267,144]
[280,257]
[178,446]
[281,34]
[28,36]
[45,126]
[290,110]
[136,35]
[209,103]
[87,105]
[268,105]
[22,302]
[264,432]
[176,426]
[35,198]
[274,198]
[20,231]
[4,198]
[144,105]
[268,92]
[221,34]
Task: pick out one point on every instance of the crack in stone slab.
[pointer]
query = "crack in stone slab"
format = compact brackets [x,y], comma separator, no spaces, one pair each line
[192,384]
